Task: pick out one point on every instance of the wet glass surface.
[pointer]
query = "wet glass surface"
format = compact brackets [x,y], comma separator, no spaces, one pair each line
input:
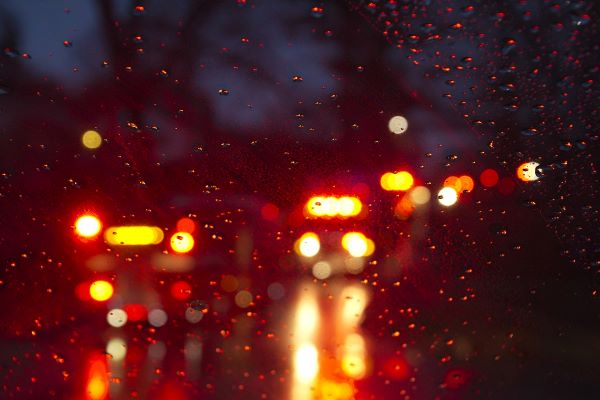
[299,199]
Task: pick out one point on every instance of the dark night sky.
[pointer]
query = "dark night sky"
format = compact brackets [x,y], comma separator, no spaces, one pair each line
[221,110]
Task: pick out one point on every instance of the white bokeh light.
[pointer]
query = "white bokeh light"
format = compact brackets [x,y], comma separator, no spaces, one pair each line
[398,124]
[157,317]
[447,196]
[116,317]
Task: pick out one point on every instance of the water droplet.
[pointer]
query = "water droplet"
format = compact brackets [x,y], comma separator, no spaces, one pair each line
[199,305]
[529,132]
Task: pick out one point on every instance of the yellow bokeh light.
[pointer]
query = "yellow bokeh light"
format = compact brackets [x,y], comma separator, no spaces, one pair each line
[182,242]
[133,235]
[403,181]
[386,181]
[400,181]
[447,196]
[87,226]
[308,245]
[101,290]
[357,244]
[91,139]
[354,366]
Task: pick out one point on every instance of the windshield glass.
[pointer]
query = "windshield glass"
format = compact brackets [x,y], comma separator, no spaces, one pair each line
[299,199]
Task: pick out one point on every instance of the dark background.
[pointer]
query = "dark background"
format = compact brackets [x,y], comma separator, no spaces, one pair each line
[310,88]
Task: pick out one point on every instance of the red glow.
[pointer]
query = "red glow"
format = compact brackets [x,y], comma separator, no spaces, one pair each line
[172,391]
[488,178]
[397,368]
[506,186]
[186,225]
[135,355]
[135,312]
[181,290]
[456,378]
[361,190]
[82,291]
[270,212]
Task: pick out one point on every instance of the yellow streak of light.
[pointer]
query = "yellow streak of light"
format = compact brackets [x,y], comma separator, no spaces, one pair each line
[353,358]
[353,301]
[331,206]
[306,363]
[133,235]
[97,384]
[306,356]
[307,318]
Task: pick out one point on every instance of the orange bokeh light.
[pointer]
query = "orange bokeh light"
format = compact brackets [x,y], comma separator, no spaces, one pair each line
[97,383]
[186,225]
[404,208]
[467,183]
[453,182]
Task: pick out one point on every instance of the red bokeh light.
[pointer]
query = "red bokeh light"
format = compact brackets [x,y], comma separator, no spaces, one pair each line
[186,225]
[270,212]
[396,368]
[456,378]
[181,290]
[488,178]
[135,312]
